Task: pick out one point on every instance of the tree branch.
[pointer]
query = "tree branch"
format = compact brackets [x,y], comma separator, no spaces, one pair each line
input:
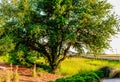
[65,53]
[40,48]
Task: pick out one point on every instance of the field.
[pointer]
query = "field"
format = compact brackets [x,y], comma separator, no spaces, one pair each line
[76,65]
[70,66]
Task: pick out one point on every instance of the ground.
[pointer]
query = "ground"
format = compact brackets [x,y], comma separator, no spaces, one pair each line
[25,74]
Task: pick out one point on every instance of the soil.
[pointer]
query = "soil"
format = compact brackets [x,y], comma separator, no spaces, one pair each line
[25,74]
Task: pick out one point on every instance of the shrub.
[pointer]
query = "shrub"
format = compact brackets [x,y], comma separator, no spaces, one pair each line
[106,70]
[74,79]
[23,56]
[80,79]
[44,67]
[20,58]
[90,77]
[99,73]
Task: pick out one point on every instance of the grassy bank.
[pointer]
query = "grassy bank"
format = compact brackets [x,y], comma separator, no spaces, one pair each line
[75,65]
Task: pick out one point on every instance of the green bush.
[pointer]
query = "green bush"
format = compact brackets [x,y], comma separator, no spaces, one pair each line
[90,77]
[20,58]
[23,56]
[80,79]
[106,70]
[99,73]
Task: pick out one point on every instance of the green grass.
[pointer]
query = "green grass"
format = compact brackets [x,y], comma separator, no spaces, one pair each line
[75,65]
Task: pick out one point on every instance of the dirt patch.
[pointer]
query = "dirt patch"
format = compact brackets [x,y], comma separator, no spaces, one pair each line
[25,74]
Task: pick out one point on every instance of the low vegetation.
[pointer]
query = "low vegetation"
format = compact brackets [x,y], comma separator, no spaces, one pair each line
[90,77]
[93,76]
[73,65]
[79,69]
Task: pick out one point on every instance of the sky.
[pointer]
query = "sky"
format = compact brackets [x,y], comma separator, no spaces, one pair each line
[115,43]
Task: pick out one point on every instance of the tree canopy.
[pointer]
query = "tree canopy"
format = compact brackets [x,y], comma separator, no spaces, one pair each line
[51,27]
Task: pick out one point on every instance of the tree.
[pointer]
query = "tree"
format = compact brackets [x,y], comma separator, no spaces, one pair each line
[52,27]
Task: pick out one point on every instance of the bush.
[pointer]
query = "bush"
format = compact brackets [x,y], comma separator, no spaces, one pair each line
[23,56]
[80,79]
[90,77]
[74,79]
[22,59]
[44,67]
[106,70]
[99,73]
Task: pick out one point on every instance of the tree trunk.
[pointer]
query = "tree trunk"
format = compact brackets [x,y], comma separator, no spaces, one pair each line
[53,64]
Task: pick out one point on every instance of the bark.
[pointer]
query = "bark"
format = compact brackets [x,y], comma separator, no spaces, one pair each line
[54,64]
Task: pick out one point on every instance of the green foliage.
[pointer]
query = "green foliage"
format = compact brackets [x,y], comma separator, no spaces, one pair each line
[80,79]
[23,57]
[106,71]
[44,67]
[100,73]
[4,58]
[93,76]
[90,77]
[6,45]
[51,27]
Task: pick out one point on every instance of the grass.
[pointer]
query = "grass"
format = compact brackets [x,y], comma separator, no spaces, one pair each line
[4,58]
[75,65]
